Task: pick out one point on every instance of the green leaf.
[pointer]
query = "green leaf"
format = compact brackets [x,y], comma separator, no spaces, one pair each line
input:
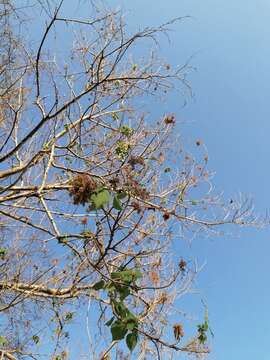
[110,287]
[124,291]
[202,338]
[132,340]
[121,195]
[127,318]
[131,322]
[3,252]
[69,316]
[127,276]
[205,326]
[120,309]
[99,285]
[117,203]
[35,338]
[126,130]
[100,198]
[122,149]
[109,323]
[3,340]
[118,330]
[137,274]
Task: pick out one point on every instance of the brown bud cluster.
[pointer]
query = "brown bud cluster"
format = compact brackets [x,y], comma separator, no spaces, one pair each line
[178,331]
[82,186]
[166,216]
[169,119]
[182,265]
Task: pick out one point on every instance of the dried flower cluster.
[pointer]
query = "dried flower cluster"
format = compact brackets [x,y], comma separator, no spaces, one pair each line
[82,186]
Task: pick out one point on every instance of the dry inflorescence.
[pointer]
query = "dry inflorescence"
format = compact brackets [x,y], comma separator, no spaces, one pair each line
[82,186]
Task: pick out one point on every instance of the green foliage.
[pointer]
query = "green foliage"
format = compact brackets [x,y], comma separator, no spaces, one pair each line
[3,341]
[126,130]
[99,285]
[120,309]
[69,316]
[117,204]
[122,149]
[124,292]
[118,330]
[124,321]
[3,253]
[109,323]
[100,198]
[203,329]
[127,276]
[121,195]
[36,339]
[131,340]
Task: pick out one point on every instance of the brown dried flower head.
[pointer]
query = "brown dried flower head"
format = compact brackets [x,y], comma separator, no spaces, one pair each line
[178,331]
[182,265]
[82,187]
[169,119]
[166,216]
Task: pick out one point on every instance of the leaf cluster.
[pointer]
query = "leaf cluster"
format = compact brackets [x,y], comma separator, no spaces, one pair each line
[123,324]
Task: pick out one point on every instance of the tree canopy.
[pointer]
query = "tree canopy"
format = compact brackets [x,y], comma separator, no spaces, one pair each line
[95,192]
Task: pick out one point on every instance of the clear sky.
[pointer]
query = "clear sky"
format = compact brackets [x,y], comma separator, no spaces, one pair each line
[230,113]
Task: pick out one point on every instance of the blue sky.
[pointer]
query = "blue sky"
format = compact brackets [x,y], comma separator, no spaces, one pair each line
[230,113]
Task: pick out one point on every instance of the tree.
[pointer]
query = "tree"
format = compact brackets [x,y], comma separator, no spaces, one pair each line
[91,197]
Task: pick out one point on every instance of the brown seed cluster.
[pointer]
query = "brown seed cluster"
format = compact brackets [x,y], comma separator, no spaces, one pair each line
[169,119]
[182,265]
[82,186]
[115,183]
[166,216]
[132,185]
[178,331]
